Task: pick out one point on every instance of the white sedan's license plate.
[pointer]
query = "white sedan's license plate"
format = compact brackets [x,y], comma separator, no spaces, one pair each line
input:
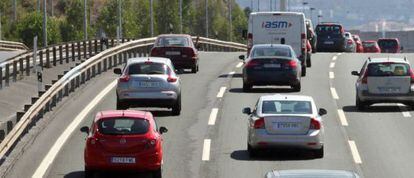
[124,160]
[148,84]
[172,53]
[271,65]
[286,125]
[328,42]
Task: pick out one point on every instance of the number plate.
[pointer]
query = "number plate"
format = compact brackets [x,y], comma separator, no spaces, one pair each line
[172,53]
[148,84]
[389,89]
[328,42]
[271,65]
[286,125]
[124,160]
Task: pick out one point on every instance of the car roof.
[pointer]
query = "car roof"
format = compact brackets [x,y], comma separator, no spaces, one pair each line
[123,113]
[307,173]
[273,45]
[286,97]
[276,12]
[369,41]
[389,59]
[174,35]
[153,59]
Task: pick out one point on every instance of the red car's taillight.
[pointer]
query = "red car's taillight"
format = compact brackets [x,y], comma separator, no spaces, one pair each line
[364,79]
[124,78]
[151,143]
[315,124]
[259,123]
[189,52]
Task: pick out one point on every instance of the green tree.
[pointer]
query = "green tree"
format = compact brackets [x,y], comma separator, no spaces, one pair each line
[31,25]
[167,16]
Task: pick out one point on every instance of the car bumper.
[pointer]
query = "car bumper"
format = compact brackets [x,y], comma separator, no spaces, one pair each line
[272,79]
[259,138]
[364,95]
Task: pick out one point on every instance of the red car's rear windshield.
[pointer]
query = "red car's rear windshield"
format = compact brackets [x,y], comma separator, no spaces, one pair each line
[388,43]
[388,69]
[150,68]
[123,126]
[173,41]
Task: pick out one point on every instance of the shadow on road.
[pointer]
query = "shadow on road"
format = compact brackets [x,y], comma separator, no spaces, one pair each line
[228,75]
[274,155]
[374,109]
[80,174]
[262,90]
[155,112]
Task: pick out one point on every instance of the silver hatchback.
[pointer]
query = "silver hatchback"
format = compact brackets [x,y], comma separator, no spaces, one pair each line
[148,82]
[384,80]
[280,121]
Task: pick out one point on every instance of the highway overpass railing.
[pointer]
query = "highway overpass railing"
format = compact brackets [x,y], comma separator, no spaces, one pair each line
[12,46]
[83,72]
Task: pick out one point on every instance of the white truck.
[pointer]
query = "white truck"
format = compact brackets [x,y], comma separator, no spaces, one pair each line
[279,28]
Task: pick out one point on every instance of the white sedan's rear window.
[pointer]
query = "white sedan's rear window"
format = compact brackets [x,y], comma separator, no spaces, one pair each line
[286,107]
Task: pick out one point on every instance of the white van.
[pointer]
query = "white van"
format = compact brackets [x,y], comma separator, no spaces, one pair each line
[279,28]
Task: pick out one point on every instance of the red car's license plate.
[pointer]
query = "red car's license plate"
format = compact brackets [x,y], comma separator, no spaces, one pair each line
[125,160]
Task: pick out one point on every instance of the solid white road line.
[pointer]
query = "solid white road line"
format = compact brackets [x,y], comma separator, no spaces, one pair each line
[334,94]
[354,151]
[51,155]
[231,73]
[332,65]
[404,110]
[334,58]
[206,150]
[239,64]
[221,92]
[213,116]
[331,75]
[342,117]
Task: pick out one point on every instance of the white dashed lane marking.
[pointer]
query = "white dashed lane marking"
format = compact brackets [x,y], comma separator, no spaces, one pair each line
[221,92]
[404,110]
[213,116]
[332,65]
[334,94]
[206,150]
[331,75]
[342,117]
[334,58]
[354,151]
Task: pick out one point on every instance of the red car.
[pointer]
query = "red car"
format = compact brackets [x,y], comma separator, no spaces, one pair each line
[358,42]
[371,46]
[180,49]
[389,45]
[123,140]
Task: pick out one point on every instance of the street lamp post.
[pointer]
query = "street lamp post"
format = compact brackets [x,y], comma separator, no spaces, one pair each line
[270,2]
[85,21]
[258,5]
[230,20]
[120,17]
[152,18]
[206,18]
[311,13]
[319,18]
[181,16]
[44,23]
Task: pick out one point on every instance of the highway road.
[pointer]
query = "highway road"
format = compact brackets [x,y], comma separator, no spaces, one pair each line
[200,143]
[8,54]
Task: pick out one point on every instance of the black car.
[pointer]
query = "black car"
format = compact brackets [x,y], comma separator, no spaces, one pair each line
[330,37]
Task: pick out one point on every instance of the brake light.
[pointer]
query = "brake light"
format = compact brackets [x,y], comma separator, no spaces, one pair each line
[259,123]
[151,143]
[349,42]
[124,78]
[189,52]
[252,63]
[291,64]
[315,124]
[171,79]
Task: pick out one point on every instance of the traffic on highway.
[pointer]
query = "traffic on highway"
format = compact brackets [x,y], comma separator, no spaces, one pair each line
[300,101]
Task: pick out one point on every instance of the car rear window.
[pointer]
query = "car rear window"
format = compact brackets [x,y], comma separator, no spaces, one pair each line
[286,107]
[329,30]
[123,126]
[172,42]
[388,69]
[148,68]
[369,44]
[271,52]
[389,44]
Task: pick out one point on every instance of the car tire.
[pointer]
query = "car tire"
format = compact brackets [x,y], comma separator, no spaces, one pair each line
[121,105]
[319,153]
[359,104]
[89,173]
[303,71]
[157,173]
[247,87]
[252,151]
[308,60]
[176,109]
[297,87]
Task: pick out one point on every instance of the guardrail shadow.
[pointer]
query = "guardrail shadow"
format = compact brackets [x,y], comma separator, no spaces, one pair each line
[80,174]
[274,155]
[263,90]
[230,75]
[375,109]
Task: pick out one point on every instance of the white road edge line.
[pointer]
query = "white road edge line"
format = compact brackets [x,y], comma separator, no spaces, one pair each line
[206,150]
[239,64]
[404,110]
[332,65]
[342,117]
[51,155]
[221,92]
[213,116]
[231,73]
[354,151]
[334,58]
[331,75]
[334,94]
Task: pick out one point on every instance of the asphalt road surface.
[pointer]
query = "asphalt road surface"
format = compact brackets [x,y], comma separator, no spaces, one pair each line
[8,54]
[374,143]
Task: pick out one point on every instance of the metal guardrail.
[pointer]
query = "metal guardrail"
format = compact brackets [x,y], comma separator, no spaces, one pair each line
[12,46]
[83,72]
[49,57]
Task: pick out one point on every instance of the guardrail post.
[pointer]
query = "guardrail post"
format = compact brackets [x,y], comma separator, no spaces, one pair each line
[100,67]
[54,56]
[60,54]
[47,58]
[1,77]
[90,48]
[7,75]
[27,65]
[41,58]
[77,81]
[88,74]
[105,64]
[72,85]
[14,71]
[84,50]
[93,71]
[101,46]
[73,51]
[96,46]
[112,42]
[67,52]
[109,62]
[120,58]
[21,67]
[79,50]
[123,40]
[125,54]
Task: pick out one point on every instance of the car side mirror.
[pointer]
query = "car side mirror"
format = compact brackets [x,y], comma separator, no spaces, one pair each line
[244,34]
[355,73]
[241,57]
[85,129]
[247,111]
[117,71]
[322,112]
[163,130]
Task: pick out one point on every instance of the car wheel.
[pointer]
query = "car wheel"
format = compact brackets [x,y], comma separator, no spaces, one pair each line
[176,109]
[297,87]
[89,173]
[359,104]
[157,173]
[308,61]
[303,71]
[319,153]
[121,105]
[252,151]
[246,87]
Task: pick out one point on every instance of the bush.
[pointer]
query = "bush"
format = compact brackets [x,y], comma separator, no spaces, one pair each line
[31,26]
